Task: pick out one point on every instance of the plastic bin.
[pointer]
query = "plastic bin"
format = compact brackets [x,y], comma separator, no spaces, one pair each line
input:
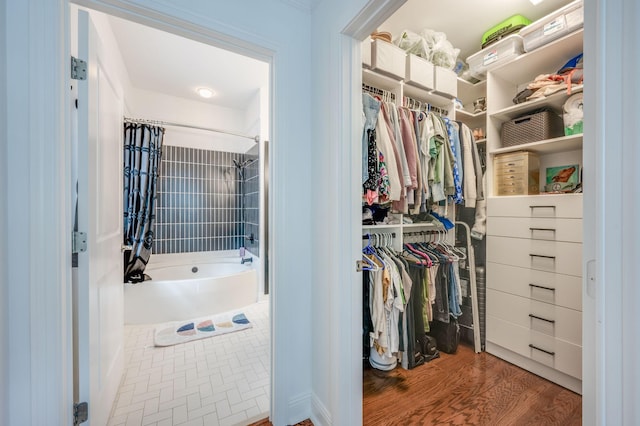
[553,26]
[388,59]
[532,128]
[420,72]
[495,55]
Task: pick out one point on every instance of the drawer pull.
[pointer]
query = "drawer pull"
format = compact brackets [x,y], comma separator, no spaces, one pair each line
[542,207]
[542,255]
[542,319]
[542,229]
[542,350]
[542,287]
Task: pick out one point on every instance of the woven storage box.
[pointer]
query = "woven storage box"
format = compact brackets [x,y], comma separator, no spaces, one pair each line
[532,128]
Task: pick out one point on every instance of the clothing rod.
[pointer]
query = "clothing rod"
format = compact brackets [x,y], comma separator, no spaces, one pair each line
[366,237]
[417,233]
[256,138]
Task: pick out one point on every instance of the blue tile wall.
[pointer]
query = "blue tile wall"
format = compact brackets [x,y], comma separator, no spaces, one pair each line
[251,192]
[198,202]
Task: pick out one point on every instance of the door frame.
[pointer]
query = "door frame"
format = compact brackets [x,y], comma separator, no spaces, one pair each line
[173,25]
[39,274]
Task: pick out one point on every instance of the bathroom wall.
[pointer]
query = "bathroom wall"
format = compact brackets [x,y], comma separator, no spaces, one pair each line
[198,203]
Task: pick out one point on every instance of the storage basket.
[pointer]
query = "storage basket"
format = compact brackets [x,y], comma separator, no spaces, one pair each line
[532,128]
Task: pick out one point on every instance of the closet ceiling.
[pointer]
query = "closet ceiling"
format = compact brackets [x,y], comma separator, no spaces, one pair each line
[162,62]
[463,21]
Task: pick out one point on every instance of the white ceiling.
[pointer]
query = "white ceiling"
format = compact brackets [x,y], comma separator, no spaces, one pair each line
[162,62]
[463,21]
[165,63]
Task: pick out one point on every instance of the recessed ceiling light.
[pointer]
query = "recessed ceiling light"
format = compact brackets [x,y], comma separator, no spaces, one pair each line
[205,92]
[535,2]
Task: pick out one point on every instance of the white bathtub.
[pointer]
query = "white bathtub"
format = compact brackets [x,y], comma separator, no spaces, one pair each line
[177,293]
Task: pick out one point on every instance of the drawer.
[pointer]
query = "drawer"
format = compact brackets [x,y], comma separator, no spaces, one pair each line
[562,205]
[558,289]
[551,256]
[550,229]
[510,168]
[516,187]
[555,353]
[552,320]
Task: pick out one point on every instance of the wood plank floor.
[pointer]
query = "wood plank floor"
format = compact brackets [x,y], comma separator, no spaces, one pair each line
[466,389]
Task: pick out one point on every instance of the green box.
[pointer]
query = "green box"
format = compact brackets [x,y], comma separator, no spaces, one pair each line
[509,26]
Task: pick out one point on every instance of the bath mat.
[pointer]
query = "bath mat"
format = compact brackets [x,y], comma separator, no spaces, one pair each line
[172,333]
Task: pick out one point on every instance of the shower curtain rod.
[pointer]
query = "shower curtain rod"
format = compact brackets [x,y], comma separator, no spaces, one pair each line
[256,138]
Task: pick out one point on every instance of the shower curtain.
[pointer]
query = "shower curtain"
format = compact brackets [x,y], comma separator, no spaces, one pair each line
[142,153]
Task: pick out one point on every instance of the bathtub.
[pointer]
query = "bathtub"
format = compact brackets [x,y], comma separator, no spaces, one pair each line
[181,290]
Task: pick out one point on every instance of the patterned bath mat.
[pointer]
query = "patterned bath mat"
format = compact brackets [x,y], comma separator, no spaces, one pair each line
[172,333]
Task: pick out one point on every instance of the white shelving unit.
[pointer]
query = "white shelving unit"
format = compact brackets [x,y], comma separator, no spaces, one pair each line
[534,242]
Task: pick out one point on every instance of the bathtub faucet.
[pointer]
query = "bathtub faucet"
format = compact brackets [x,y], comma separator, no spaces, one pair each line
[246,260]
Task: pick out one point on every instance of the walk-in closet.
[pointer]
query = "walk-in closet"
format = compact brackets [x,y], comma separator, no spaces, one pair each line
[472,213]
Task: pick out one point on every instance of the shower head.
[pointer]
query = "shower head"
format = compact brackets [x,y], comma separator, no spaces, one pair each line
[243,164]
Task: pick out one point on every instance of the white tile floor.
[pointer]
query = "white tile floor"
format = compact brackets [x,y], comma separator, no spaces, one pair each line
[221,380]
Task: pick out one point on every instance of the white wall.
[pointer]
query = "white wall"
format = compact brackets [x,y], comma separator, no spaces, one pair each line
[4,419]
[157,106]
[337,292]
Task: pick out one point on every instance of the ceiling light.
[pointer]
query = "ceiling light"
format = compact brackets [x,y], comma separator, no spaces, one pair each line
[205,93]
[535,2]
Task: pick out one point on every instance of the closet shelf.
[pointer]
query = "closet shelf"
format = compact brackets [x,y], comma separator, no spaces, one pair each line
[384,82]
[543,60]
[432,96]
[484,140]
[554,101]
[471,86]
[464,114]
[422,225]
[379,81]
[375,227]
[547,146]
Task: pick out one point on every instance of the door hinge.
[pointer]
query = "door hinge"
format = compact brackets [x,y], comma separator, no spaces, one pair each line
[78,69]
[78,242]
[80,413]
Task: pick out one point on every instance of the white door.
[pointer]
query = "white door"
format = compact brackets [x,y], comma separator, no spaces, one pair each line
[99,304]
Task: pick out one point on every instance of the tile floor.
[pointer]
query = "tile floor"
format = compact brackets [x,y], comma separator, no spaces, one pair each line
[221,380]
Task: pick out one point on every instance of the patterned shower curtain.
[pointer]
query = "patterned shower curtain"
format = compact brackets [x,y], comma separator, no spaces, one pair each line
[142,153]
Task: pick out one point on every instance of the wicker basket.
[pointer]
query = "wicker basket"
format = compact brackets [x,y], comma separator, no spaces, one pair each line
[531,128]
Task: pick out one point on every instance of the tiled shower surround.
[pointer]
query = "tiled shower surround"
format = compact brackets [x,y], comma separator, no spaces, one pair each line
[252,204]
[198,204]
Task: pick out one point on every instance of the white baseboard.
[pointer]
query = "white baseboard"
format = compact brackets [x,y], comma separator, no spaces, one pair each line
[320,415]
[299,408]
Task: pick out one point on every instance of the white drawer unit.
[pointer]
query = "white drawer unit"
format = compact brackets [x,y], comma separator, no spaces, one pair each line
[552,352]
[558,289]
[549,206]
[546,318]
[551,256]
[549,229]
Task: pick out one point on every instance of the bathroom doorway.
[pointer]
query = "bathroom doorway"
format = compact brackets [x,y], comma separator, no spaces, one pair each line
[208,208]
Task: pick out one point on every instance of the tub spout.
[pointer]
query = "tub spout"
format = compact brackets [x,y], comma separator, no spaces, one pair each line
[246,260]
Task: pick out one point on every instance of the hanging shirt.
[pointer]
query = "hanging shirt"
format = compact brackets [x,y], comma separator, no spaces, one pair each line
[454,142]
[385,146]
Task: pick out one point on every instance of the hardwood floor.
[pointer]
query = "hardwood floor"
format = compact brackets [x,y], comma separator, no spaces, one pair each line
[466,389]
